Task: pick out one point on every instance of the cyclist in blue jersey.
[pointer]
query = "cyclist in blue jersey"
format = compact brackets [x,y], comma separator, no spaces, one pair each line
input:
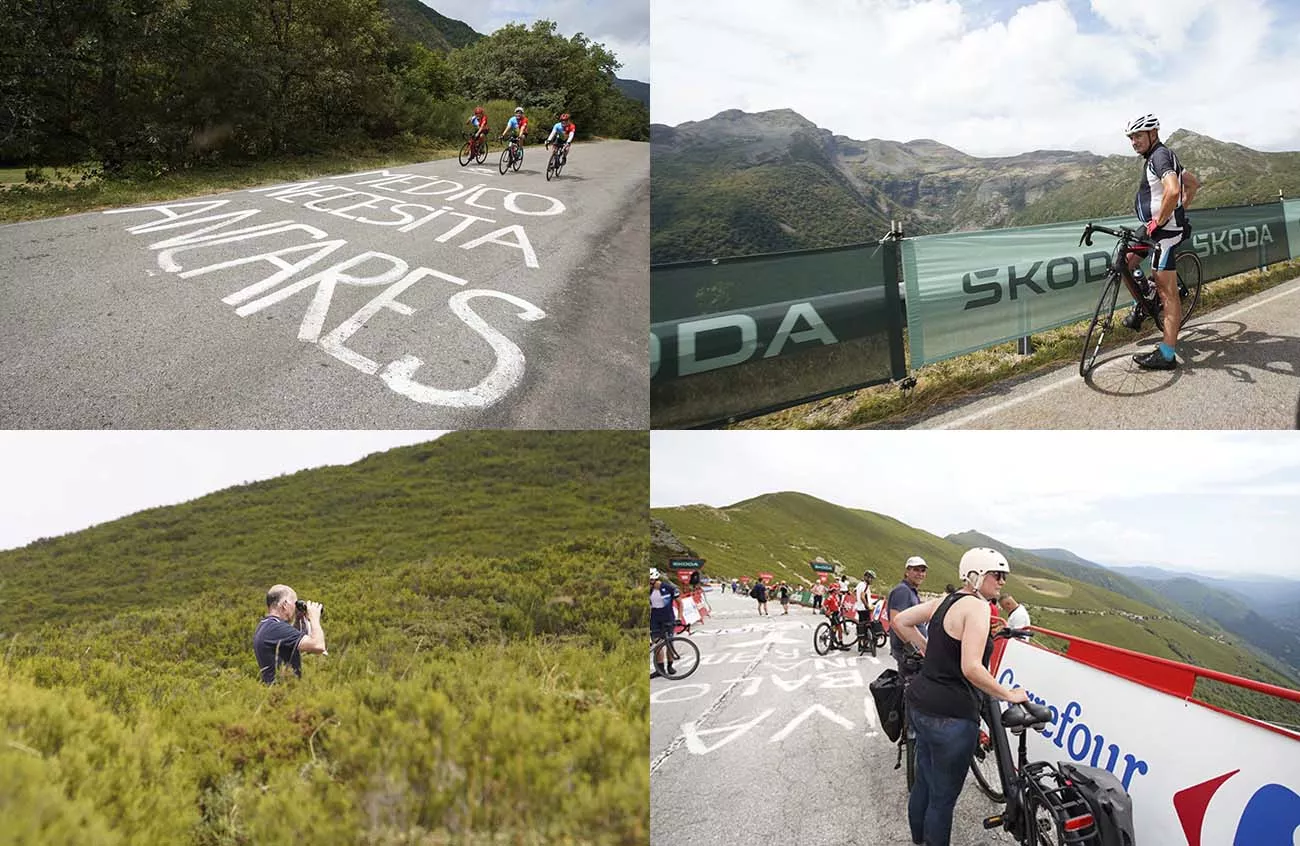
[1164,193]
[564,128]
[517,125]
[663,619]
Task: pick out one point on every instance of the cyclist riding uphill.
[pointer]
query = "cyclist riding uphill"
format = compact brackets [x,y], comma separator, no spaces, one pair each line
[479,121]
[1163,194]
[517,125]
[564,128]
[942,702]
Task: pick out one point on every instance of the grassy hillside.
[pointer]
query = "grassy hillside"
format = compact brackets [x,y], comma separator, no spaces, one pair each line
[780,533]
[484,676]
[414,21]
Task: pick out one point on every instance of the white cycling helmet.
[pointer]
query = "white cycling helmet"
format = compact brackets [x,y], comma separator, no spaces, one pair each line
[916,561]
[519,110]
[1142,124]
[654,573]
[980,560]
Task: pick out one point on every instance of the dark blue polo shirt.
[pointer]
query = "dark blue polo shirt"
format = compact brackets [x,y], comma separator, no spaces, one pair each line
[275,642]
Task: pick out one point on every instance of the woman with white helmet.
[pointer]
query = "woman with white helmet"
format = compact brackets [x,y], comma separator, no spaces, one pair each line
[942,702]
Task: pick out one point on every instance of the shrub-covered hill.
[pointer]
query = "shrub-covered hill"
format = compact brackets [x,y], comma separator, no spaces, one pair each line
[466,494]
[484,678]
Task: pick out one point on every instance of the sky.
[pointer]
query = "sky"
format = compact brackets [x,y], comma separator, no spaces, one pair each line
[60,482]
[988,77]
[623,26]
[1200,502]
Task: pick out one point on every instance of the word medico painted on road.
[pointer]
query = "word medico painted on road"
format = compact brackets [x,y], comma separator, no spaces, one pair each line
[297,269]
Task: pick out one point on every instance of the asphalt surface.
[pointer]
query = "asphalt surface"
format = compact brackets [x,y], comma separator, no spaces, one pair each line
[1239,368]
[406,299]
[768,743]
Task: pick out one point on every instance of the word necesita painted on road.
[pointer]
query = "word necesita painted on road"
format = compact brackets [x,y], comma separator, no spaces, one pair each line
[295,272]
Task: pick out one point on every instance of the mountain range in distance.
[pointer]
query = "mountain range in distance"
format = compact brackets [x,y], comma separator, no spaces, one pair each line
[742,183]
[418,22]
[1180,618]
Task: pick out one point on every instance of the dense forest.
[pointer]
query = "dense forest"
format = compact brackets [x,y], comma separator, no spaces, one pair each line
[485,680]
[119,86]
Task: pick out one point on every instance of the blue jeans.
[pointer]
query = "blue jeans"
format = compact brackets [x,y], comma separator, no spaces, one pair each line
[944,746]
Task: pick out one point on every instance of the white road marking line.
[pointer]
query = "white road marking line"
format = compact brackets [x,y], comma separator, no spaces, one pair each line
[1073,377]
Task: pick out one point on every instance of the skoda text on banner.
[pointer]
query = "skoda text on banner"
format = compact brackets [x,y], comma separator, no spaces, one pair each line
[970,290]
[1143,736]
[732,338]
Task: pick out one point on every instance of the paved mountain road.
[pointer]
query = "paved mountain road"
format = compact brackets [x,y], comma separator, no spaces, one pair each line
[1240,369]
[422,296]
[768,743]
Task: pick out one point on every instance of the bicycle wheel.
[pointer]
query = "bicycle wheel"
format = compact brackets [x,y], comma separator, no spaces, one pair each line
[909,752]
[505,161]
[882,637]
[984,766]
[482,152]
[872,645]
[551,169]
[1101,323]
[519,158]
[465,152]
[1188,266]
[848,634]
[683,658]
[1044,830]
[822,638]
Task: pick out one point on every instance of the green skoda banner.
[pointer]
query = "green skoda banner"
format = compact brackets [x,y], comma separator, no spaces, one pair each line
[970,290]
[1291,211]
[733,338]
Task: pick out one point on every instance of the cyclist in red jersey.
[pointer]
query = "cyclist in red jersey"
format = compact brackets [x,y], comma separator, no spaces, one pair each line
[479,121]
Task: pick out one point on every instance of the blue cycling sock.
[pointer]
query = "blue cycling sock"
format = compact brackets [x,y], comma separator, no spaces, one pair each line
[1166,351]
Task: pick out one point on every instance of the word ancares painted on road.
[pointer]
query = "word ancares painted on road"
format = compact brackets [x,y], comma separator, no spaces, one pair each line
[297,249]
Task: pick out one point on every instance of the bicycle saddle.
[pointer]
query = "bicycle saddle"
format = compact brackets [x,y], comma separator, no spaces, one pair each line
[1026,715]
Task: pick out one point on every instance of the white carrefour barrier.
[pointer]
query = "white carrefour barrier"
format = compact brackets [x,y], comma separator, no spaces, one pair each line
[1197,777]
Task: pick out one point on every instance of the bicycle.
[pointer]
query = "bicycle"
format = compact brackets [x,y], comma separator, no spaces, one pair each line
[556,161]
[1043,806]
[474,149]
[512,156]
[840,633]
[908,668]
[673,657]
[1186,264]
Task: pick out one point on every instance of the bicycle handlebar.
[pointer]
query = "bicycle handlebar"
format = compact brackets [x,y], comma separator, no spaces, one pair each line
[1008,632]
[1123,233]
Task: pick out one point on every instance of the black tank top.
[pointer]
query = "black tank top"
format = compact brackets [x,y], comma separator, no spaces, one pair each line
[941,688]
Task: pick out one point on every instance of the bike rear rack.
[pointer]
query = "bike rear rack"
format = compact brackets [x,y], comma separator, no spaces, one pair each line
[1063,800]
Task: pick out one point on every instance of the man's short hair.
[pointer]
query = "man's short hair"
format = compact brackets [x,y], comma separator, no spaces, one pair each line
[276,594]
[1007,599]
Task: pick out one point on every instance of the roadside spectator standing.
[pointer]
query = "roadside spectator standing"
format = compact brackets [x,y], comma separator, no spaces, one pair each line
[783,593]
[904,596]
[862,604]
[818,591]
[760,593]
[662,618]
[1017,614]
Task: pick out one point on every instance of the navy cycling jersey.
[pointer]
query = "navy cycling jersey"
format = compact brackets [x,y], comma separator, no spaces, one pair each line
[1160,161]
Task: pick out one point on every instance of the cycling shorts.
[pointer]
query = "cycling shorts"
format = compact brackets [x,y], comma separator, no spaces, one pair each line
[661,628]
[1166,240]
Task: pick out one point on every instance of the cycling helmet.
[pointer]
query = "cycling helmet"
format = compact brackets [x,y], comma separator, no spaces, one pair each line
[1142,124]
[564,116]
[916,561]
[654,573]
[519,110]
[870,575]
[478,110]
[980,560]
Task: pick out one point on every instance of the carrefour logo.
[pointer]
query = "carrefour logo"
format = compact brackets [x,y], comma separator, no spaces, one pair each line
[1271,816]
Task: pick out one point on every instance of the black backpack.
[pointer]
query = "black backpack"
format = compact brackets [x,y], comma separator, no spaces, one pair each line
[887,690]
[1111,805]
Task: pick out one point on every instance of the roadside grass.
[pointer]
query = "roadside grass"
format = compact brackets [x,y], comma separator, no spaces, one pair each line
[66,193]
[887,406]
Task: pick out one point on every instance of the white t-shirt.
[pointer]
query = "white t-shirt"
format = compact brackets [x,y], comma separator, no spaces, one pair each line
[1019,618]
[861,604]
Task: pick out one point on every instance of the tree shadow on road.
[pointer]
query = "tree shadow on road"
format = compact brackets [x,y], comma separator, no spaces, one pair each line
[1221,345]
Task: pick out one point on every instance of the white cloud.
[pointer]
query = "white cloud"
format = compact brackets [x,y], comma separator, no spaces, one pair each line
[1041,78]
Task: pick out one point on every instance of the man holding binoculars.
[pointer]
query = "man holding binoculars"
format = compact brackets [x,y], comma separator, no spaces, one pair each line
[290,628]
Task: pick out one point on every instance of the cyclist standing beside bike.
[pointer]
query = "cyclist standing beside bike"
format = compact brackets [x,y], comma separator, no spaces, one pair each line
[517,126]
[566,129]
[862,605]
[662,619]
[943,703]
[1163,194]
[479,121]
[904,596]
